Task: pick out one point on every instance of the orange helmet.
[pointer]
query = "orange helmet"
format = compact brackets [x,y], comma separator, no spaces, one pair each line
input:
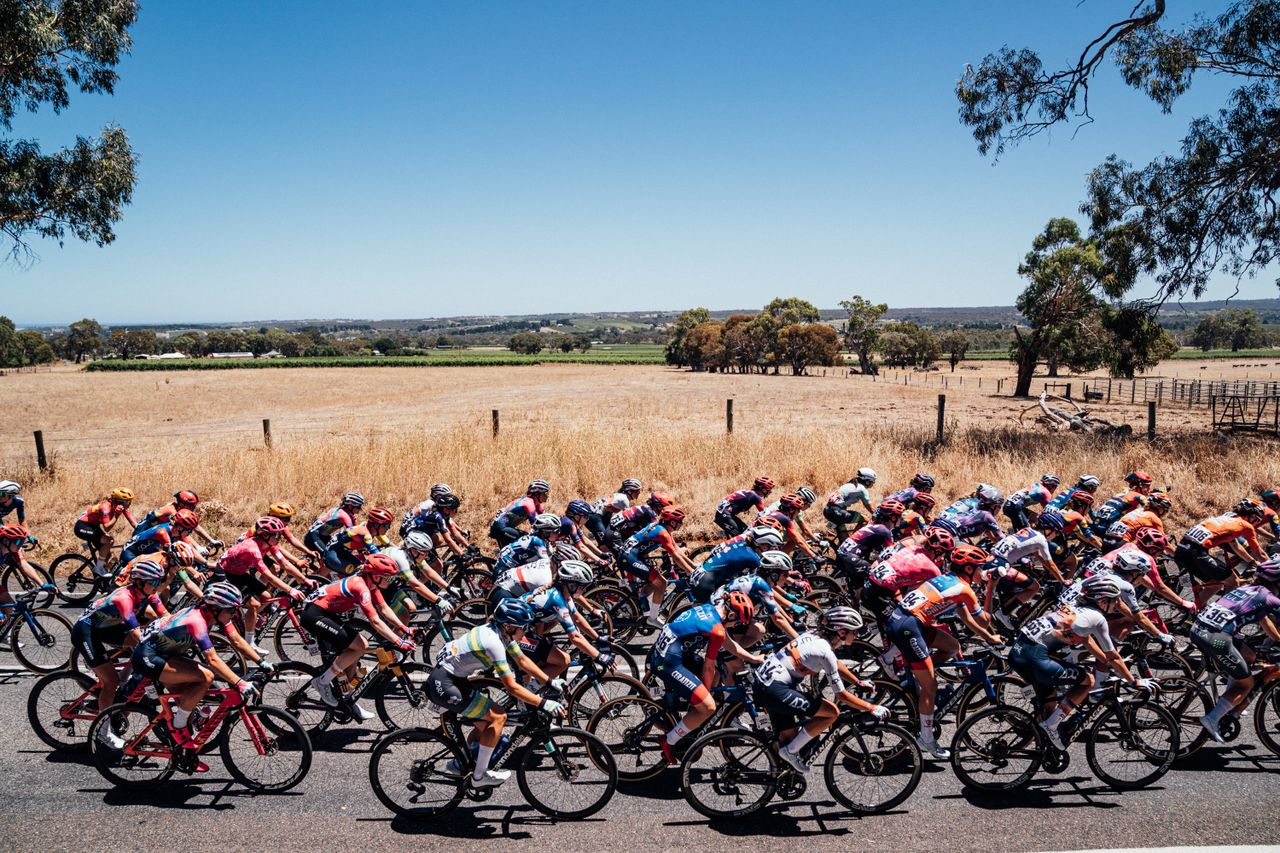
[670,514]
[185,519]
[378,515]
[185,497]
[890,509]
[380,566]
[769,521]
[791,502]
[763,484]
[658,500]
[925,500]
[969,555]
[13,533]
[1082,498]
[740,605]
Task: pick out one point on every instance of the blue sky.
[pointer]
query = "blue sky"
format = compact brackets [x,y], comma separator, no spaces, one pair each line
[315,160]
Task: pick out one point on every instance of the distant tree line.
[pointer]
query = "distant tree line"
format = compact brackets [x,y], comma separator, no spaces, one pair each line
[787,332]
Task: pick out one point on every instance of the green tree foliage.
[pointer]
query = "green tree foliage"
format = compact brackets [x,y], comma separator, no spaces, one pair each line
[84,337]
[36,348]
[48,48]
[582,343]
[684,324]
[127,343]
[11,352]
[804,344]
[189,343]
[745,339]
[526,343]
[1210,206]
[955,343]
[703,346]
[862,330]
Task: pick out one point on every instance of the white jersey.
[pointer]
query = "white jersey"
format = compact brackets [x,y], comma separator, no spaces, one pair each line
[808,654]
[1023,545]
[1071,595]
[1068,626]
[479,650]
[850,494]
[614,505]
[526,578]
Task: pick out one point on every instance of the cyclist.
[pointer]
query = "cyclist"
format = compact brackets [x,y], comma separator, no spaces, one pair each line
[1194,553]
[505,526]
[912,628]
[553,604]
[413,557]
[903,570]
[736,503]
[491,647]
[739,556]
[161,654]
[636,549]
[1124,529]
[177,529]
[95,524]
[1216,633]
[178,562]
[765,597]
[348,547]
[1037,653]
[421,510]
[182,499]
[1040,493]
[799,717]
[10,502]
[532,547]
[1075,525]
[113,622]
[627,494]
[1029,546]
[245,567]
[1128,612]
[1116,506]
[285,513]
[586,518]
[857,552]
[978,526]
[339,518]
[921,482]
[1149,544]
[434,530]
[571,533]
[667,658]
[787,513]
[632,520]
[915,518]
[985,498]
[341,638]
[1084,483]
[840,507]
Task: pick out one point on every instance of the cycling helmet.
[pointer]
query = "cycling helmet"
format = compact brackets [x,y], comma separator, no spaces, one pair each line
[1100,587]
[775,561]
[865,476]
[841,618]
[631,484]
[740,605]
[1159,500]
[122,495]
[1151,540]
[567,553]
[969,555]
[923,482]
[439,490]
[939,539]
[268,525]
[575,571]
[671,514]
[1082,497]
[185,519]
[1052,481]
[807,495]
[890,509]
[769,521]
[1131,562]
[538,487]
[418,541]
[924,500]
[1268,572]
[148,571]
[381,516]
[945,524]
[1088,482]
[791,502]
[1249,509]
[513,611]
[353,499]
[183,552]
[578,507]
[449,501]
[1138,478]
[1271,498]
[546,523]
[13,533]
[763,484]
[380,566]
[1051,520]
[658,500]
[223,596]
[766,538]
[186,497]
[281,511]
[9,487]
[989,495]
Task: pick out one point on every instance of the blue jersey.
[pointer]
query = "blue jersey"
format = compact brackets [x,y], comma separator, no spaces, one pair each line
[964,506]
[550,605]
[755,587]
[977,523]
[18,505]
[729,560]
[525,550]
[654,536]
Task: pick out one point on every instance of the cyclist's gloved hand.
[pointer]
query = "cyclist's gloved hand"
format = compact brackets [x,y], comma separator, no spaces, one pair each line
[558,685]
[1166,640]
[246,688]
[607,661]
[266,666]
[216,543]
[406,645]
[880,712]
[797,610]
[296,594]
[445,603]
[553,708]
[1149,684]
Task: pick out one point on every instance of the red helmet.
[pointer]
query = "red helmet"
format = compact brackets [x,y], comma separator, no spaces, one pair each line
[671,513]
[378,515]
[769,521]
[1138,478]
[185,519]
[969,555]
[1082,497]
[925,500]
[1150,540]
[890,508]
[13,533]
[763,484]
[739,604]
[268,525]
[791,502]
[1271,498]
[658,500]
[186,497]
[939,540]
[380,566]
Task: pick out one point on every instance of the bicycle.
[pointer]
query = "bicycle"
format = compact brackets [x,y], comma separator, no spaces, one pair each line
[16,581]
[73,574]
[563,772]
[62,705]
[264,748]
[45,644]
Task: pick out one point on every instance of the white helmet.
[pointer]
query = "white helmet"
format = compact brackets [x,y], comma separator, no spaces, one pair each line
[418,541]
[575,571]
[866,476]
[989,493]
[9,487]
[766,538]
[1131,561]
[546,523]
[1088,481]
[439,490]
[775,561]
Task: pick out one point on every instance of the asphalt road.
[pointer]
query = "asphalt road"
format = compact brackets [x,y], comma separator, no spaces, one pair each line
[1222,796]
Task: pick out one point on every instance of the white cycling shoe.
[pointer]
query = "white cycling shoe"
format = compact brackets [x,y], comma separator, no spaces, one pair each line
[490,779]
[934,748]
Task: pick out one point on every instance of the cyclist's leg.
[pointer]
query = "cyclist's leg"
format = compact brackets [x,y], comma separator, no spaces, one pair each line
[189,679]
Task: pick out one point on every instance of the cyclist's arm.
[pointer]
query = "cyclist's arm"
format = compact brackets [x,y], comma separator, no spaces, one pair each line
[519,691]
[453,544]
[779,618]
[273,579]
[531,668]
[391,621]
[29,570]
[1269,628]
[976,625]
[239,644]
[429,573]
[293,540]
[854,702]
[1242,552]
[1111,660]
[731,646]
[583,625]
[422,589]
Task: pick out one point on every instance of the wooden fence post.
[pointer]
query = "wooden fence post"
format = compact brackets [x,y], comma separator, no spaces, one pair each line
[1151,420]
[266,432]
[728,416]
[1133,390]
[495,423]
[942,413]
[41,460]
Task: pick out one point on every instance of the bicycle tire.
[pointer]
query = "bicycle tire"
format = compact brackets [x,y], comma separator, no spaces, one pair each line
[631,728]
[56,636]
[1009,734]
[129,720]
[17,582]
[1011,691]
[573,752]
[902,706]
[402,702]
[394,769]
[1266,717]
[278,731]
[862,659]
[50,697]
[874,750]
[74,577]
[288,689]
[1187,700]
[591,695]
[728,761]
[1159,757]
[624,613]
[292,643]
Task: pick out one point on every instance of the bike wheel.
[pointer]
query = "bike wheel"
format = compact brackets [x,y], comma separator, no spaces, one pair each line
[1132,744]
[147,757]
[472,612]
[872,767]
[997,749]
[292,642]
[289,688]
[229,654]
[624,612]
[569,776]
[42,641]
[589,696]
[901,704]
[74,577]
[17,582]
[862,658]
[265,749]
[1187,700]
[632,728]
[60,708]
[410,773]
[477,582]
[402,700]
[1011,691]
[728,774]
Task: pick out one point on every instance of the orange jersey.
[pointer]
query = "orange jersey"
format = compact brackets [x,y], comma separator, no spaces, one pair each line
[1072,521]
[937,597]
[122,577]
[1134,521]
[1219,530]
[105,514]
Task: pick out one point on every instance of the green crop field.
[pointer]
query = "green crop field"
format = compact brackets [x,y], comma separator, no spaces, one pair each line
[616,354]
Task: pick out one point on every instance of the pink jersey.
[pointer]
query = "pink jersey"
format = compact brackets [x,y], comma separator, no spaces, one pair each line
[346,595]
[903,570]
[245,557]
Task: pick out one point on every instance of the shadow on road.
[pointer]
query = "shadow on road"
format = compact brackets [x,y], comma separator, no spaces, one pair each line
[477,822]
[1066,792]
[781,820]
[1245,758]
[180,794]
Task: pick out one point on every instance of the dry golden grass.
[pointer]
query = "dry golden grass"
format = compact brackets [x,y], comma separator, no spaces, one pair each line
[391,432]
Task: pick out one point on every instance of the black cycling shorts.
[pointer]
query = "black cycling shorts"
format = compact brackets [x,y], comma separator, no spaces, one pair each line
[456,695]
[786,706]
[249,584]
[1199,563]
[1223,649]
[1046,675]
[332,632]
[91,533]
[93,642]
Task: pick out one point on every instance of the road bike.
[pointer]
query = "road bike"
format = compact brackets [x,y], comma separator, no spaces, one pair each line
[39,639]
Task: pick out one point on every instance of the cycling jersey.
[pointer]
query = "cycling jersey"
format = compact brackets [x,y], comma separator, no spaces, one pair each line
[962,507]
[1024,545]
[323,528]
[246,557]
[1061,499]
[938,597]
[632,519]
[424,518]
[1242,606]
[549,604]
[700,621]
[729,560]
[120,608]
[527,549]
[850,494]
[519,580]
[741,501]
[479,651]
[1116,506]
[806,655]
[655,535]
[904,496]
[16,504]
[755,587]
[150,541]
[174,634]
[159,515]
[519,510]
[978,522]
[160,559]
[105,514]
[867,541]
[910,524]
[569,531]
[1073,595]
[352,540]
[1131,522]
[1069,626]
[1152,572]
[1215,532]
[348,594]
[903,570]
[1037,494]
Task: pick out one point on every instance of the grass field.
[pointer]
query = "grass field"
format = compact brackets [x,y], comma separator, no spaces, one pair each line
[392,432]
[1184,353]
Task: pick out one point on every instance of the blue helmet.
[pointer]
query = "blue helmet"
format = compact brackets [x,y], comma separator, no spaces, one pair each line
[513,611]
[578,507]
[945,524]
[1051,520]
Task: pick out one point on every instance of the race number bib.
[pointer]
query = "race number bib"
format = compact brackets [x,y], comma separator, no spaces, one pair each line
[912,600]
[1217,617]
[1198,534]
